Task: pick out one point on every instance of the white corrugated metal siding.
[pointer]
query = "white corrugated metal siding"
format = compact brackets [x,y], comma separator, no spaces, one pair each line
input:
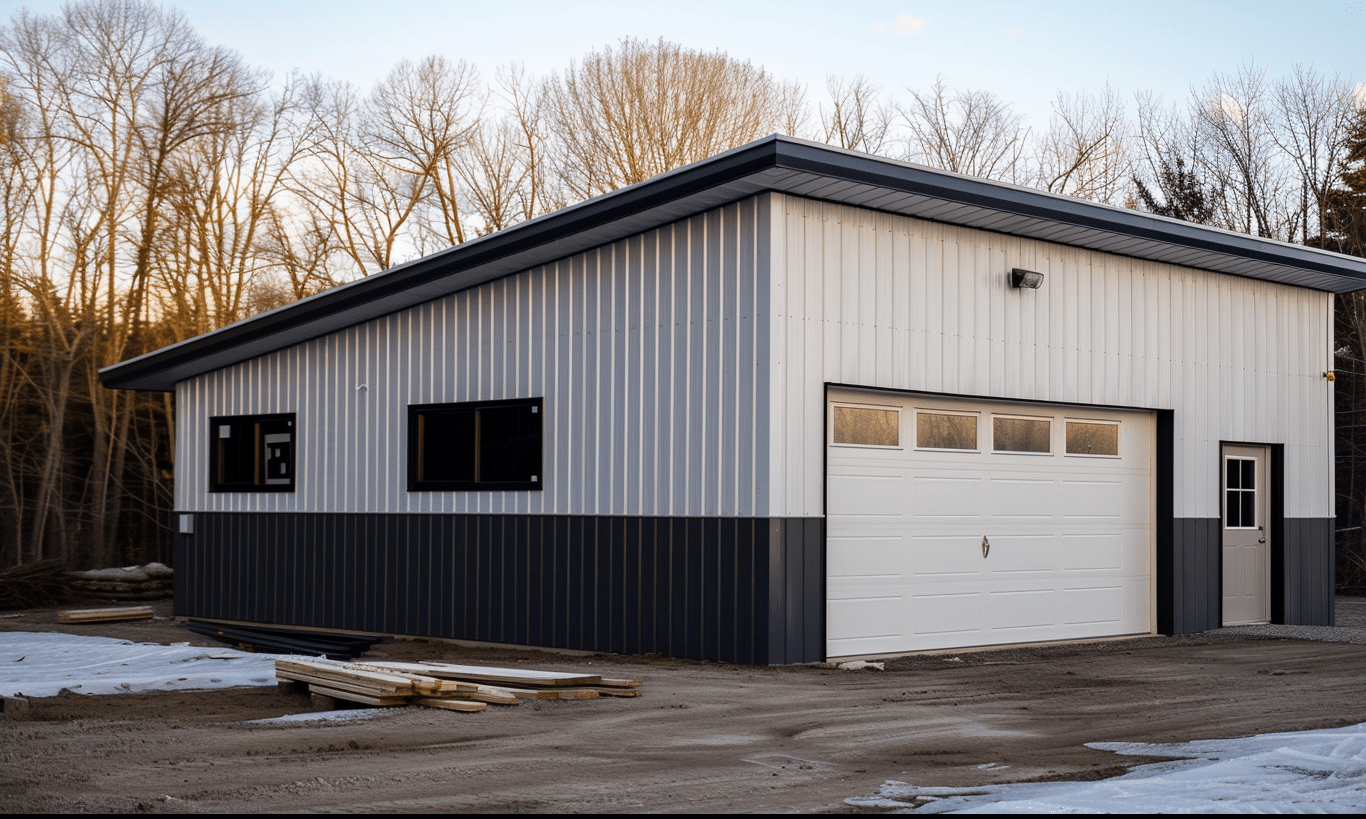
[647,353]
[651,355]
[879,300]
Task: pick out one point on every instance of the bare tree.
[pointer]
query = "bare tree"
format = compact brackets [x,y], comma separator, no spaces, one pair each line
[967,132]
[121,96]
[495,174]
[641,109]
[856,118]
[1085,152]
[14,203]
[229,195]
[418,120]
[374,166]
[299,247]
[503,164]
[1231,114]
[527,102]
[363,202]
[1314,116]
[1168,167]
[793,114]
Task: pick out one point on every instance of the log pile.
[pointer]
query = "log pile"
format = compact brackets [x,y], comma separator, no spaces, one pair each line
[151,582]
[440,685]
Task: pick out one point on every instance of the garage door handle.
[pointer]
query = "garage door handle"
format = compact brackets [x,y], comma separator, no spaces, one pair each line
[986,546]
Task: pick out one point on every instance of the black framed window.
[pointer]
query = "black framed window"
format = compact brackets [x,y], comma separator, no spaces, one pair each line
[481,445]
[251,453]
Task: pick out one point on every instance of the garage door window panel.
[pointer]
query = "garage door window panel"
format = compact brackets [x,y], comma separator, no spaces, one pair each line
[867,426]
[1024,436]
[938,430]
[1092,438]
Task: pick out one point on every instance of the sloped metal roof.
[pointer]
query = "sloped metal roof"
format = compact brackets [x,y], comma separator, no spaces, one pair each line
[776,163]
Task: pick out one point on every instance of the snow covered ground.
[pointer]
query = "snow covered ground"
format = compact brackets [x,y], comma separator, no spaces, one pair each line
[1303,772]
[1310,771]
[42,664]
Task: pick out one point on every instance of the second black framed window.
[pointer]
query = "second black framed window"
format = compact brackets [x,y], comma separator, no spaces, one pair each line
[479,445]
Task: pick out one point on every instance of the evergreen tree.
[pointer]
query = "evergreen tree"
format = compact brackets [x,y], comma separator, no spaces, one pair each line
[1185,194]
[1344,231]
[1344,228]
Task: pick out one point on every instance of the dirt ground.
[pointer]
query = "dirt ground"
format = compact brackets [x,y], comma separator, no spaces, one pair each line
[704,737]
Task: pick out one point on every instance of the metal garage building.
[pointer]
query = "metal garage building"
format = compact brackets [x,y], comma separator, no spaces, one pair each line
[785,404]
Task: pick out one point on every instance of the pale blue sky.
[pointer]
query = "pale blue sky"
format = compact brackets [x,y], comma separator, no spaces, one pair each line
[1025,52]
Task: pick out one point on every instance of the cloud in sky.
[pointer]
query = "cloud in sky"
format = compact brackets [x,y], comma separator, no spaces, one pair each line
[1232,108]
[1359,91]
[1012,31]
[906,24]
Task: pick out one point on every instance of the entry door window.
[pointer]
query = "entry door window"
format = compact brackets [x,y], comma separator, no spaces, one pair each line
[1240,493]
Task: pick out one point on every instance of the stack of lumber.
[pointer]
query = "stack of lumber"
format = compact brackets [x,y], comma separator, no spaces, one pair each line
[105,615]
[377,686]
[288,641]
[440,685]
[528,683]
[151,582]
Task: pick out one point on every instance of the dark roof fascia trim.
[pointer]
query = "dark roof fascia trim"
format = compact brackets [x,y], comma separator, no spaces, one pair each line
[1004,198]
[594,213]
[775,163]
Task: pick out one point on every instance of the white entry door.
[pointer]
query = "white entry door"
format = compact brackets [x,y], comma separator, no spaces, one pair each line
[954,523]
[1246,547]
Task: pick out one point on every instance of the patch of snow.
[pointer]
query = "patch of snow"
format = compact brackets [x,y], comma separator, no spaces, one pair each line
[327,716]
[860,665]
[1307,771]
[42,664]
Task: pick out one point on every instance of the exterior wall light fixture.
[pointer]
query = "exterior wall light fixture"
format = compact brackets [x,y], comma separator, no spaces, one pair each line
[1028,279]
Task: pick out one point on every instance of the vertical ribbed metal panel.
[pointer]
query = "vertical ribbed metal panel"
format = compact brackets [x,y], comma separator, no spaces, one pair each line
[688,587]
[1195,576]
[1307,577]
[880,300]
[644,351]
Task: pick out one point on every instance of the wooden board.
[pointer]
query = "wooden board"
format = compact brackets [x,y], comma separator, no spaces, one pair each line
[449,704]
[622,683]
[497,696]
[520,677]
[609,691]
[352,696]
[343,685]
[422,685]
[385,684]
[105,615]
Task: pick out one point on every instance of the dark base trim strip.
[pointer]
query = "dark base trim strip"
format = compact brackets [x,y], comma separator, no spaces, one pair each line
[748,590]
[1190,574]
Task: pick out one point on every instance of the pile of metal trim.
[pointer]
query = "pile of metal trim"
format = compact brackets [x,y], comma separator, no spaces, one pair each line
[287,641]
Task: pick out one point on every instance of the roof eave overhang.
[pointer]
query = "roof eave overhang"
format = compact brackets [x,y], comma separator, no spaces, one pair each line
[774,164]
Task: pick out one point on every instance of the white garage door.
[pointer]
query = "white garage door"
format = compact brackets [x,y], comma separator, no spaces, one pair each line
[954,523]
